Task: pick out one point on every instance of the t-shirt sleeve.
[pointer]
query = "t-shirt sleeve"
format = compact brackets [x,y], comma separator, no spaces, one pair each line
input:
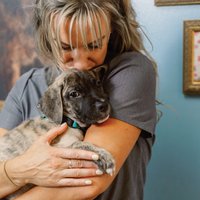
[131,85]
[21,101]
[11,115]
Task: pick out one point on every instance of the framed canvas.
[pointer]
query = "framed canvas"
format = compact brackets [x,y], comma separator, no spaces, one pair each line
[191,61]
[175,2]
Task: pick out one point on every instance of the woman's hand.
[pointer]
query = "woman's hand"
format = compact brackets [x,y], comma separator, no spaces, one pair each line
[44,165]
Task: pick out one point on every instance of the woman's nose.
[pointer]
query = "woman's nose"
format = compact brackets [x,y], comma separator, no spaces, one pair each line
[80,57]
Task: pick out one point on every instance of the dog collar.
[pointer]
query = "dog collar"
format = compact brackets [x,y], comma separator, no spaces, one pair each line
[73,124]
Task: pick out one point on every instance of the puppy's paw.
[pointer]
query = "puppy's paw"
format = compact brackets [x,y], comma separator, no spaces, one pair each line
[106,162]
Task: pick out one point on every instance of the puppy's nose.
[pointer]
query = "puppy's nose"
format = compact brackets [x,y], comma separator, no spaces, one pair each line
[101,106]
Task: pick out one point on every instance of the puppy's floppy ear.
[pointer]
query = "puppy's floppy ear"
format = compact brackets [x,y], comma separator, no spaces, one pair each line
[51,102]
[100,71]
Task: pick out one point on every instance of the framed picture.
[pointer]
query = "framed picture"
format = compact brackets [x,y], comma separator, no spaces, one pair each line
[191,61]
[175,2]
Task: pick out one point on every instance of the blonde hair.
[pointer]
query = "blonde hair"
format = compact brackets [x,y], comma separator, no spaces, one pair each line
[119,16]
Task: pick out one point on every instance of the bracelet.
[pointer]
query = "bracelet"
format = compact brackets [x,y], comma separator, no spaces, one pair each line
[6,173]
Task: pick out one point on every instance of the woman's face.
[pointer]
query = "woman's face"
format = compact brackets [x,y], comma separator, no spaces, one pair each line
[79,56]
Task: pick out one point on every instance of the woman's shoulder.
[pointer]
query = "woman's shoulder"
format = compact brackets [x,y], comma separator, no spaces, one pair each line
[131,64]
[130,59]
[33,74]
[35,77]
[131,84]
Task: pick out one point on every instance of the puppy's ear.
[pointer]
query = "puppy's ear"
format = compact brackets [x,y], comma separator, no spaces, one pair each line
[51,103]
[100,71]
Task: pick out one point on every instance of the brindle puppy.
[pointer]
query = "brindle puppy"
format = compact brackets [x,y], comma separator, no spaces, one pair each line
[75,96]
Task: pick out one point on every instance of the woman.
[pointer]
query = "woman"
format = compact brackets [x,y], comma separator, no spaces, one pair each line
[84,34]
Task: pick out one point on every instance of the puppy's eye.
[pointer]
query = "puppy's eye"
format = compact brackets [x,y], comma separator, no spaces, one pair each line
[74,94]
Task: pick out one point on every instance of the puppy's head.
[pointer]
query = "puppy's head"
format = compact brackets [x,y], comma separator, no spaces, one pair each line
[78,95]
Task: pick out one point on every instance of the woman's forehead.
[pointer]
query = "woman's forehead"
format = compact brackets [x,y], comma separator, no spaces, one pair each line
[82,29]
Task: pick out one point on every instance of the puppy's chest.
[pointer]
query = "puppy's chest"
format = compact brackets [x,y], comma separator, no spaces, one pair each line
[68,138]
[18,140]
[42,125]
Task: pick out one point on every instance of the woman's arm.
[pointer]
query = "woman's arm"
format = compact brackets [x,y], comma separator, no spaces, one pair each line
[6,186]
[46,166]
[115,136]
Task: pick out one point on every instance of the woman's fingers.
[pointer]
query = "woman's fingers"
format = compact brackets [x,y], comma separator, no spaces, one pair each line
[74,182]
[79,173]
[50,166]
[67,153]
[60,164]
[80,164]
[77,154]
[76,177]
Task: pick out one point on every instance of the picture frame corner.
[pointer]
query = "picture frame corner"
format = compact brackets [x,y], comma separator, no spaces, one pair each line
[191,57]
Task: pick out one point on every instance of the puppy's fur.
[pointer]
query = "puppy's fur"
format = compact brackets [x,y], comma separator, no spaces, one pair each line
[75,94]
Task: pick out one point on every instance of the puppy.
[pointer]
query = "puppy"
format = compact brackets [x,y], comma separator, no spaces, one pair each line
[76,97]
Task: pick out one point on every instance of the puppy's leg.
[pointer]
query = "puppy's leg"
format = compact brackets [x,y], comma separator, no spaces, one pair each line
[106,162]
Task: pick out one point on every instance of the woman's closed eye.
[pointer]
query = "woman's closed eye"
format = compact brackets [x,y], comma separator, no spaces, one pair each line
[66,47]
[93,46]
[90,47]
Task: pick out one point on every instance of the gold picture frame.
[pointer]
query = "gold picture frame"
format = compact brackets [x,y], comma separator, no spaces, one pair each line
[175,2]
[191,57]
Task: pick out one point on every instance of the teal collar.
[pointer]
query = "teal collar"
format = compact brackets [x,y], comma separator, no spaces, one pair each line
[71,123]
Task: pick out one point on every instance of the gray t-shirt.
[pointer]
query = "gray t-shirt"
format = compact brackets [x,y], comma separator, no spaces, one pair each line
[130,82]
